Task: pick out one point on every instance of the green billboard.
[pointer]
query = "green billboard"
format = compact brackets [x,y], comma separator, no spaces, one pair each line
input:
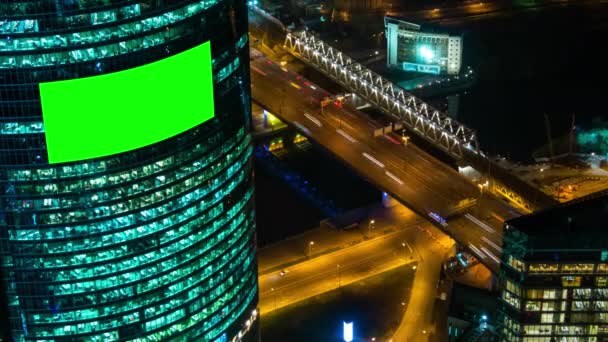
[102,115]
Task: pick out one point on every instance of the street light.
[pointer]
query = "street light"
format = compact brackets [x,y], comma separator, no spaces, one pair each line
[310,244]
[370,226]
[405,244]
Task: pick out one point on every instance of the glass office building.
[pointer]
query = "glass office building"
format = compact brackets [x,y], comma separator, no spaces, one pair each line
[555,274]
[106,236]
[411,47]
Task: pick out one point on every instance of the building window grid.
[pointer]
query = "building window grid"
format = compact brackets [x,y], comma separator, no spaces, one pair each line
[144,216]
[213,327]
[86,171]
[134,277]
[244,238]
[95,37]
[99,188]
[211,298]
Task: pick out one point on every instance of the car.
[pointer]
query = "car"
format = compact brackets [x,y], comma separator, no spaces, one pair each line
[284,272]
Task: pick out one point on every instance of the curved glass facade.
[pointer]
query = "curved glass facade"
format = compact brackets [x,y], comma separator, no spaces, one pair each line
[157,243]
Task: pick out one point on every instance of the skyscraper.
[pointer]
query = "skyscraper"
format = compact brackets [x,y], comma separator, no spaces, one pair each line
[555,274]
[126,194]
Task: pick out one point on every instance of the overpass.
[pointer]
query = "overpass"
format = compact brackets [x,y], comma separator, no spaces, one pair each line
[437,128]
[413,177]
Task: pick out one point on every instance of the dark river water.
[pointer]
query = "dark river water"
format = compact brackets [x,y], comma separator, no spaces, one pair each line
[549,61]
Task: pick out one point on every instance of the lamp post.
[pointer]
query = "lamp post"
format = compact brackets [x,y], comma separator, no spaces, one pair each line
[405,244]
[339,275]
[310,244]
[370,226]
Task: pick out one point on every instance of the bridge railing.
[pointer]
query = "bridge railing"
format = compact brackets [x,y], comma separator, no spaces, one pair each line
[431,124]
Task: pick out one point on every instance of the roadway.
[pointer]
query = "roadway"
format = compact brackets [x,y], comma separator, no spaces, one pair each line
[322,274]
[412,176]
[414,243]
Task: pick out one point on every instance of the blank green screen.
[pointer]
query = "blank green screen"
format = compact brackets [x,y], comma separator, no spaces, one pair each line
[103,115]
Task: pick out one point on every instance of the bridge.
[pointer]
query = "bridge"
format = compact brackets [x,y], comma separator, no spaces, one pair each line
[437,128]
[411,176]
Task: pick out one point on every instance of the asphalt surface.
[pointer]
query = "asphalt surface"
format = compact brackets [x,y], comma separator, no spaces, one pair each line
[416,244]
[412,176]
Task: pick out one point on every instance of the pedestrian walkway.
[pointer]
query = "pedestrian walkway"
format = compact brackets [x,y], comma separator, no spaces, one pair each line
[326,239]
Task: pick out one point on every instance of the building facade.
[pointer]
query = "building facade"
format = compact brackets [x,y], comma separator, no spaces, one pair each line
[358,5]
[555,274]
[412,49]
[106,236]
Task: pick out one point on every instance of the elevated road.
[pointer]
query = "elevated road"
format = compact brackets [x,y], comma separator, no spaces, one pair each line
[413,177]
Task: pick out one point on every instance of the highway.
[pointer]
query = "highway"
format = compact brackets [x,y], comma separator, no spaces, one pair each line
[412,176]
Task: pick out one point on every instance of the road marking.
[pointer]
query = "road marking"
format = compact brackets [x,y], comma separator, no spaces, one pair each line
[476,250]
[393,177]
[479,223]
[313,119]
[295,85]
[373,160]
[344,134]
[492,256]
[491,243]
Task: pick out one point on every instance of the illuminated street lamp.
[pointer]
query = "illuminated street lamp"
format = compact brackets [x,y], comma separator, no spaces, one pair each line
[405,244]
[310,244]
[370,226]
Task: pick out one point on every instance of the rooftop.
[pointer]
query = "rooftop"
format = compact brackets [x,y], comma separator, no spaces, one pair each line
[588,214]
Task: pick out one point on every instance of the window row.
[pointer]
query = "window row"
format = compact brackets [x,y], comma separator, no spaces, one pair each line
[568,268]
[204,288]
[189,280]
[95,18]
[144,208]
[21,128]
[532,305]
[96,261]
[95,53]
[209,314]
[78,171]
[106,33]
[110,184]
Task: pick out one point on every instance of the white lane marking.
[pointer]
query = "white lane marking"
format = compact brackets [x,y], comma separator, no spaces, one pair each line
[476,250]
[393,177]
[373,160]
[491,243]
[344,134]
[479,223]
[313,119]
[492,256]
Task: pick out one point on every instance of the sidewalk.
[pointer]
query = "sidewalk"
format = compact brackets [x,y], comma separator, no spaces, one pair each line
[326,239]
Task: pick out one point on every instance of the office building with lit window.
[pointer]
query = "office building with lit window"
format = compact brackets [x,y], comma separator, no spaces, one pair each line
[554,277]
[411,47]
[126,193]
